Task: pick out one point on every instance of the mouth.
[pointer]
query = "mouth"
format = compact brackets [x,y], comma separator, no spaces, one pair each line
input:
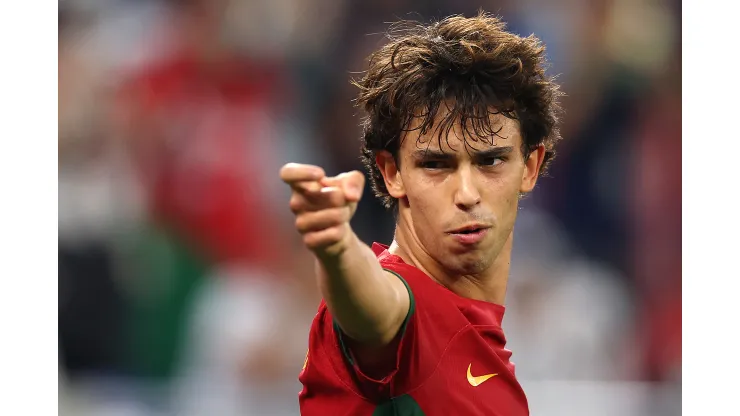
[470,235]
[470,229]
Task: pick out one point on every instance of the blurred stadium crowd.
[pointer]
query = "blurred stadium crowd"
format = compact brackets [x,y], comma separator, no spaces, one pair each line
[183,288]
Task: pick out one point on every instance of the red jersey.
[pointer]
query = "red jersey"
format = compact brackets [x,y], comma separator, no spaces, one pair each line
[450,360]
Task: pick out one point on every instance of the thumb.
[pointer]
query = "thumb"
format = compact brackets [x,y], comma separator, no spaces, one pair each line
[353,185]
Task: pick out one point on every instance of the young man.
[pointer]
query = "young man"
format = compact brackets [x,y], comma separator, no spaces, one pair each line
[461,120]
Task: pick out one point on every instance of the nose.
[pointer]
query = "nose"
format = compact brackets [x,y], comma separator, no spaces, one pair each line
[467,195]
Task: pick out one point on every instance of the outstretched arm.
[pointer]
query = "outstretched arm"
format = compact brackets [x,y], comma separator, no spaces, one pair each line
[368,303]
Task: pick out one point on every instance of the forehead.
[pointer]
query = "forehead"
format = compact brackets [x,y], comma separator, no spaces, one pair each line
[461,139]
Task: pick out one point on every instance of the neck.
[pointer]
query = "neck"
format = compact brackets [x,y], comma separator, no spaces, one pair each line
[488,285]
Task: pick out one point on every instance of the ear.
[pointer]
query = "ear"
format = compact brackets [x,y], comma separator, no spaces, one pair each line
[532,168]
[391,174]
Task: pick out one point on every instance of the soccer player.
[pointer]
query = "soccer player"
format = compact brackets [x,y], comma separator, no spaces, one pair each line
[461,120]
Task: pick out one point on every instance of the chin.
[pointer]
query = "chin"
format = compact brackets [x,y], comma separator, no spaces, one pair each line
[469,263]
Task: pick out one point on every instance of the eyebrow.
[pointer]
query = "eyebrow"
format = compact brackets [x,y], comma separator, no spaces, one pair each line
[435,154]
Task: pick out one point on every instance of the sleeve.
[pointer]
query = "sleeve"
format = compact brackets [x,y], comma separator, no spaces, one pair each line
[418,348]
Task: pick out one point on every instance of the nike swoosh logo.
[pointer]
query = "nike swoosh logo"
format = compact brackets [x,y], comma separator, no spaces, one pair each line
[478,380]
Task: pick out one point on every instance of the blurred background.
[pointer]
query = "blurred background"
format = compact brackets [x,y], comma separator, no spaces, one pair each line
[183,288]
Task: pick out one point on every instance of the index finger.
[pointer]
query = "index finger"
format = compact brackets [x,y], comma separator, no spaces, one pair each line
[296,172]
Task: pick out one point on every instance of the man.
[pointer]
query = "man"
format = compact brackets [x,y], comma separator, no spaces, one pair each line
[461,121]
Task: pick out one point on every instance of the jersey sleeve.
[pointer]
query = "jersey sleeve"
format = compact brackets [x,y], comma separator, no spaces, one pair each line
[420,344]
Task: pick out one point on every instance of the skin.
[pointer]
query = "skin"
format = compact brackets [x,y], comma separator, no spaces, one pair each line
[439,189]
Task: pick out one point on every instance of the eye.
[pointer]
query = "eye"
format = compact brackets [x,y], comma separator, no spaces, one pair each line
[492,161]
[433,164]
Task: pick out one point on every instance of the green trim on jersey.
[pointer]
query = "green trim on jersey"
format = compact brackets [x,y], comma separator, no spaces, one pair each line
[404,405]
[412,306]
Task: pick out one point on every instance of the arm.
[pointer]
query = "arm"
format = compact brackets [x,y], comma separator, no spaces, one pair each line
[369,304]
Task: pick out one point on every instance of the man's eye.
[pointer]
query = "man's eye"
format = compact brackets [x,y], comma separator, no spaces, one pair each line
[492,161]
[433,164]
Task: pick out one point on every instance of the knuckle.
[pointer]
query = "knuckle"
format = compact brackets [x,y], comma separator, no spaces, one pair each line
[312,241]
[334,234]
[300,224]
[295,203]
[335,216]
[332,216]
[323,238]
[308,240]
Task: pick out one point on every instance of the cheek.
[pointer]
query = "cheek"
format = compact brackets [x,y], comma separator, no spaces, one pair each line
[426,203]
[503,197]
[421,192]
[424,210]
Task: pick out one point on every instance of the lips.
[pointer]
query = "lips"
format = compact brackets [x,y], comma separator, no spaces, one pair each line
[469,229]
[470,234]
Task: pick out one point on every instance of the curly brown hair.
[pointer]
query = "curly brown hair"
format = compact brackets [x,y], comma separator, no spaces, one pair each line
[472,65]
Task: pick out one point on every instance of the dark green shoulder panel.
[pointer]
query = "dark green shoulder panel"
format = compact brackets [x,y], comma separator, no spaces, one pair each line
[399,406]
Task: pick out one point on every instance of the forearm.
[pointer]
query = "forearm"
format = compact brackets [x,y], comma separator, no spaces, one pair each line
[367,303]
